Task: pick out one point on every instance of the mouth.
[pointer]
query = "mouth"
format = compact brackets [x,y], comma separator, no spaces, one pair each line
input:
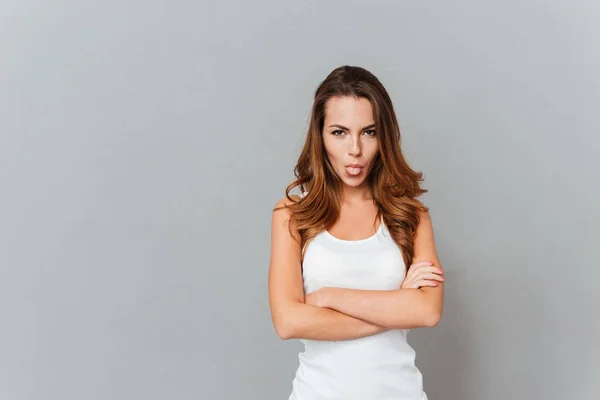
[354,169]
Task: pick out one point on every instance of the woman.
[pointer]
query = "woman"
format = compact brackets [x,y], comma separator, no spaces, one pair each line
[338,275]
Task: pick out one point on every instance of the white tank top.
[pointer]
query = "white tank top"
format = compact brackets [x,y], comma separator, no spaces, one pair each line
[376,367]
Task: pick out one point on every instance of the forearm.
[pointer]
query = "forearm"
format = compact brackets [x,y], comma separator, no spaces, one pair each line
[306,321]
[394,309]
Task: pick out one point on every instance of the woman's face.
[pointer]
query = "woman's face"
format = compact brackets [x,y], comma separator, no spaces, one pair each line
[350,139]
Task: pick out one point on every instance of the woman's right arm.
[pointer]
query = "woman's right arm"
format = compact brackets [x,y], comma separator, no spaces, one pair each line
[292,318]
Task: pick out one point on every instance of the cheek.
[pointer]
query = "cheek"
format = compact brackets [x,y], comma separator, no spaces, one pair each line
[334,150]
[372,152]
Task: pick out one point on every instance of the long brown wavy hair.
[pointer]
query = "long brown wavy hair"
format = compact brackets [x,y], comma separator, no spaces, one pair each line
[393,183]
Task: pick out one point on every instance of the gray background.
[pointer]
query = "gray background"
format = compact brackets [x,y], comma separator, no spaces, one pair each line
[143,145]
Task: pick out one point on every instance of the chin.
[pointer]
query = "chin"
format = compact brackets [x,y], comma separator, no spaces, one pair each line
[353,182]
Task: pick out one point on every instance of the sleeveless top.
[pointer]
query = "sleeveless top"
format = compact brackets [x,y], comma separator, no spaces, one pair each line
[376,367]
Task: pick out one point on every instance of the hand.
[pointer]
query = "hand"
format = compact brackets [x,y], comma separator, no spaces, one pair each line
[317,298]
[422,274]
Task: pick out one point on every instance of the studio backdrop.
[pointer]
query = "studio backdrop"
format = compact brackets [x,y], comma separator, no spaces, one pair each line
[144,144]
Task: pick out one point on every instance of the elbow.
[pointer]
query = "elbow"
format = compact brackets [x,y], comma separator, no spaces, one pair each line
[432,312]
[284,332]
[284,328]
[433,319]
[285,321]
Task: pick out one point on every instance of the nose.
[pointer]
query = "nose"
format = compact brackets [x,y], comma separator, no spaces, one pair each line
[354,149]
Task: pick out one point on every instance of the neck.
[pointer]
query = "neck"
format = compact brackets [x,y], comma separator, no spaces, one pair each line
[354,195]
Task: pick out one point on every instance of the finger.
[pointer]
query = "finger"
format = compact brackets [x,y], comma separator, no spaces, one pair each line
[427,282]
[409,275]
[415,270]
[428,275]
[420,263]
[431,276]
[424,264]
[429,269]
[417,275]
[409,283]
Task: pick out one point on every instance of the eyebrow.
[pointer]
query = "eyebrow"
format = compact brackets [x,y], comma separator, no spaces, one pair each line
[344,128]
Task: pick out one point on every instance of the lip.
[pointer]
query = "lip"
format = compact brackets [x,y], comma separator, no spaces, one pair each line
[354,170]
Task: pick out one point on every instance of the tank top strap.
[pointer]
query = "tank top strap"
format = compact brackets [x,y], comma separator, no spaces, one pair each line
[382,224]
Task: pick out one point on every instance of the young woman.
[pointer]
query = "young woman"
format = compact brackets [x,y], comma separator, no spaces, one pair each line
[353,263]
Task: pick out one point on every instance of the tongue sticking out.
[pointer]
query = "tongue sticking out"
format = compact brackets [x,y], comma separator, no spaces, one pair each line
[353,170]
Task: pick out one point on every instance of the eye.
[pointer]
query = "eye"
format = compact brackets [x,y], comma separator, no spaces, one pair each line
[334,132]
[372,132]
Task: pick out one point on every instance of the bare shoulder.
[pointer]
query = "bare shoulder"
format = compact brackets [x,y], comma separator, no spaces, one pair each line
[281,217]
[284,202]
[425,219]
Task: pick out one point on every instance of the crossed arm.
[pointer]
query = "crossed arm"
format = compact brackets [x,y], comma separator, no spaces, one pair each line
[338,313]
[395,309]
